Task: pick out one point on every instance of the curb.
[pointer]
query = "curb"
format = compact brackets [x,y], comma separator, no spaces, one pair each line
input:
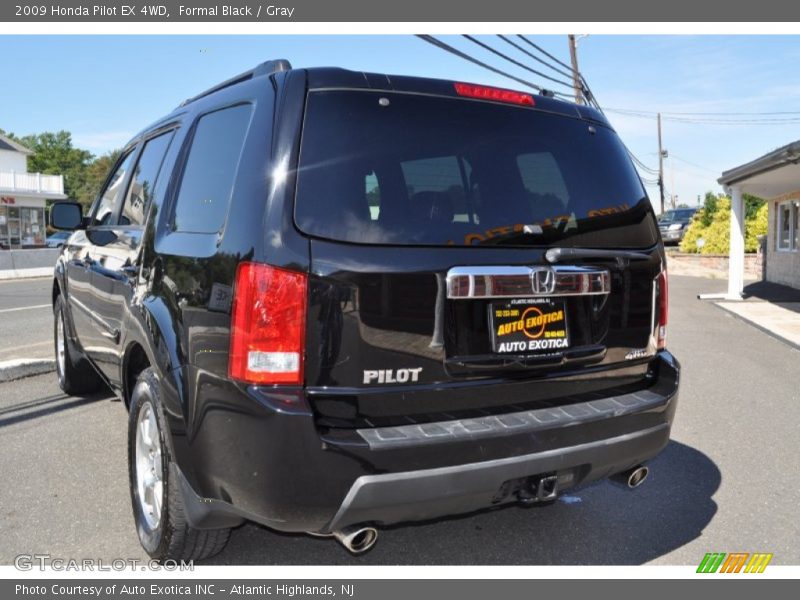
[755,325]
[25,367]
[25,273]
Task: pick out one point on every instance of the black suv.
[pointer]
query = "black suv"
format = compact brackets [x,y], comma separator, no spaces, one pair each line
[334,301]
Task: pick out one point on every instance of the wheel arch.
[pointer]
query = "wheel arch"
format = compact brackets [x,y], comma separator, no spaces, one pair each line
[58,282]
[135,360]
[151,341]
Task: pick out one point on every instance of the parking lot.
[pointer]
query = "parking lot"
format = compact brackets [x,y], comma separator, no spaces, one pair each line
[26,319]
[727,482]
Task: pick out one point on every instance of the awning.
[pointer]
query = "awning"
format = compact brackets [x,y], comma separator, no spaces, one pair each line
[769,176]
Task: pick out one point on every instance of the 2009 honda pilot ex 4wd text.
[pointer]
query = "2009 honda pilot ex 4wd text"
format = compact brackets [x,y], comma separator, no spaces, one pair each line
[333,301]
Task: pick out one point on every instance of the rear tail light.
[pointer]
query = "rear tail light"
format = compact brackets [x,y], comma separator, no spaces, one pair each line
[662,309]
[484,92]
[268,325]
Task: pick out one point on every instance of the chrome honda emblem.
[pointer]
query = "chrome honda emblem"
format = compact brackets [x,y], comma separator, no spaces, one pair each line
[543,280]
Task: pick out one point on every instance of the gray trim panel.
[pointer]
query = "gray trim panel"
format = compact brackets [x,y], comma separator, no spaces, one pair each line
[383,438]
[429,493]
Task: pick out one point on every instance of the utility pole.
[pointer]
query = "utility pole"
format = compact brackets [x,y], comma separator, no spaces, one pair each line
[576,79]
[673,197]
[661,154]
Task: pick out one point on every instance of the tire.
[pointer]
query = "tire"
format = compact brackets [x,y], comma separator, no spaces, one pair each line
[75,375]
[158,507]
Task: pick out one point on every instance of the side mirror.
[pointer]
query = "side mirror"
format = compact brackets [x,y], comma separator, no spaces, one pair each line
[66,215]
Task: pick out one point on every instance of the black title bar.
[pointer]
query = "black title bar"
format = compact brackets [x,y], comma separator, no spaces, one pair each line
[405,10]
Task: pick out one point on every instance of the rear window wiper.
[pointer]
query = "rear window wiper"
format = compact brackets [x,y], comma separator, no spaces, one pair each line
[555,255]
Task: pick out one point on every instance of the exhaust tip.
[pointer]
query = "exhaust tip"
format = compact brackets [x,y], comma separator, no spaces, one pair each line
[637,476]
[357,539]
[631,478]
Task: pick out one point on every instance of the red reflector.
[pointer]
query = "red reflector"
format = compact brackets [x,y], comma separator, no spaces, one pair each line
[268,325]
[662,301]
[491,93]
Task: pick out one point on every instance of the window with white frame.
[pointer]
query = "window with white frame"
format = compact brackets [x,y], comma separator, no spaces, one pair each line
[796,237]
[787,226]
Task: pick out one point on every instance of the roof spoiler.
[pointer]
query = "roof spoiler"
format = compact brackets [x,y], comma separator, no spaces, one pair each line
[265,68]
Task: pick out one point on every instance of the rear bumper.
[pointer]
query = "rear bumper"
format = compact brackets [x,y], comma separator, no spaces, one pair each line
[426,494]
[258,455]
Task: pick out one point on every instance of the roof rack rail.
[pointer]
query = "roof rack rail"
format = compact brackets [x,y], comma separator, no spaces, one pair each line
[265,68]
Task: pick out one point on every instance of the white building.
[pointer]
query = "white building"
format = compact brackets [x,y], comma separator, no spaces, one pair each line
[776,178]
[23,196]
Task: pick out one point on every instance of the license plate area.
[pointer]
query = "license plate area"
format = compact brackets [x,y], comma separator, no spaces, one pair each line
[536,326]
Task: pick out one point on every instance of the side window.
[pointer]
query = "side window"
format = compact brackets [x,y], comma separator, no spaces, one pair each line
[796,206]
[543,182]
[786,216]
[438,174]
[210,170]
[143,182]
[373,192]
[106,206]
[436,186]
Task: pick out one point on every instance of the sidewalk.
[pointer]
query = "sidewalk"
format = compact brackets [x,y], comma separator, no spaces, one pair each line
[21,264]
[773,308]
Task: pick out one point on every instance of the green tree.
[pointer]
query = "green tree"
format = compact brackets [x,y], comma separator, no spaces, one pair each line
[96,173]
[752,204]
[709,208]
[54,154]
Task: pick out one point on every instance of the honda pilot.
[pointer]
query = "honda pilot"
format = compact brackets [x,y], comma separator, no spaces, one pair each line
[335,301]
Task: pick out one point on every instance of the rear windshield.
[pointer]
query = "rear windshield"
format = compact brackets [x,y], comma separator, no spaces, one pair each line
[408,169]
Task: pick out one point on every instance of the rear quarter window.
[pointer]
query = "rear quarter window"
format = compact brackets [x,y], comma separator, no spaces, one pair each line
[209,173]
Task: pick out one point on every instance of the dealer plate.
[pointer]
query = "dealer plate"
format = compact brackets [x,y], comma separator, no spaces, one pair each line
[529,326]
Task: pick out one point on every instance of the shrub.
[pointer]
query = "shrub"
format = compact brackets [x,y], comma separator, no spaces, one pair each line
[695,231]
[713,225]
[755,227]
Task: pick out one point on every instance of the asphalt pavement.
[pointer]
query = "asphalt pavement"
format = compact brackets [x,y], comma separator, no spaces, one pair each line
[727,482]
[26,318]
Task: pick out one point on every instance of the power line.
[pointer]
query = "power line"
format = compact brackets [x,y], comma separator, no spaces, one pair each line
[683,160]
[640,164]
[707,113]
[439,44]
[534,57]
[547,54]
[515,62]
[571,72]
[734,121]
[706,120]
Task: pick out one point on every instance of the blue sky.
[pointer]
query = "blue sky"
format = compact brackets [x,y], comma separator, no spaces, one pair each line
[105,88]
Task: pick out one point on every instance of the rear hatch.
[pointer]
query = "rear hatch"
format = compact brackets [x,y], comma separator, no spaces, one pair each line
[463,248]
